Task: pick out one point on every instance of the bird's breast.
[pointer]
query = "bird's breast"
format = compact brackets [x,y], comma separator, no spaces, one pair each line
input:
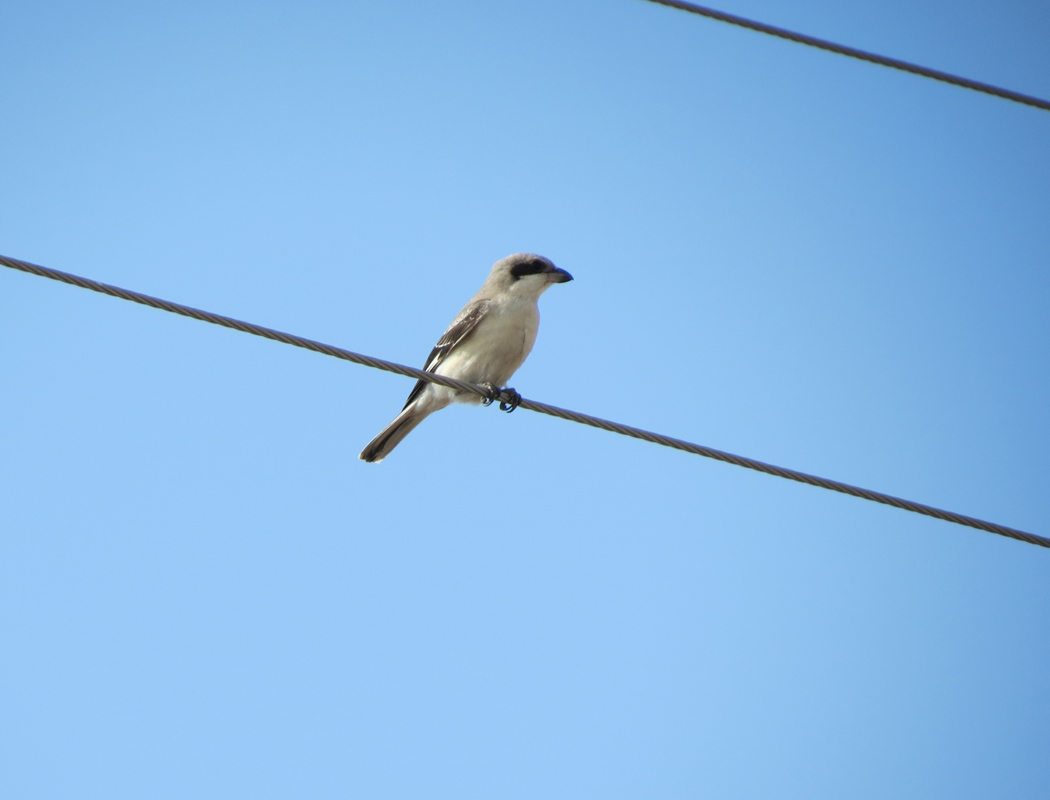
[497,347]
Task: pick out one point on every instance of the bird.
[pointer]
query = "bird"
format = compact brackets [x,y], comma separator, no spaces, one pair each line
[485,344]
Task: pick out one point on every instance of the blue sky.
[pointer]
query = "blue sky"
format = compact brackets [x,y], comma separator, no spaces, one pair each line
[778,252]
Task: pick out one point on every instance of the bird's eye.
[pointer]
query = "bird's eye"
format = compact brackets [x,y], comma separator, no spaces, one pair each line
[533,267]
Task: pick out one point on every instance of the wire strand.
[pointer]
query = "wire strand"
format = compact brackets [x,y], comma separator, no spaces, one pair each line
[532,405]
[853,52]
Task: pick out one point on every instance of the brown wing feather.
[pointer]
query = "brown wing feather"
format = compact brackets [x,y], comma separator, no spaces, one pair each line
[460,328]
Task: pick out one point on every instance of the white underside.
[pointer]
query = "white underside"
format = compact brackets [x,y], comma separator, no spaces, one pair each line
[492,353]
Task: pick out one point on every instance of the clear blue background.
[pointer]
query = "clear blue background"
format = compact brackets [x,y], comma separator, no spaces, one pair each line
[778,252]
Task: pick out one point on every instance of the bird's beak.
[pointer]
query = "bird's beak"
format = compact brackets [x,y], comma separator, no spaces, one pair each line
[559,276]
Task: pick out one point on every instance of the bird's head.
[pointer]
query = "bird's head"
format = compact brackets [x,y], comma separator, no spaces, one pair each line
[527,274]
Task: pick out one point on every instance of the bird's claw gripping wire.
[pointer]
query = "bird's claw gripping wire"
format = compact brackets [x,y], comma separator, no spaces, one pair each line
[510,405]
[494,394]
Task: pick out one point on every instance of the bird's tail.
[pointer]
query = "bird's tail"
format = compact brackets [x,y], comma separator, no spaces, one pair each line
[389,438]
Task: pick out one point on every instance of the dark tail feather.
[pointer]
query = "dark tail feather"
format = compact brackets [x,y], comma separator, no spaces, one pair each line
[389,438]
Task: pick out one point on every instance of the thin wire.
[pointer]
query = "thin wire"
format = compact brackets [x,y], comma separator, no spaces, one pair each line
[852,52]
[532,405]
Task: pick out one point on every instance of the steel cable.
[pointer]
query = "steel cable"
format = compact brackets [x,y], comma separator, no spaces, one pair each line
[853,52]
[532,405]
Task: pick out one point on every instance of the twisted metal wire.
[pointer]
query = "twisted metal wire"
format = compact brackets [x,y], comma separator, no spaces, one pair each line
[853,52]
[532,405]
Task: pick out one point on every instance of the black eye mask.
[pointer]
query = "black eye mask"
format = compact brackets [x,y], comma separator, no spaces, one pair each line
[533,267]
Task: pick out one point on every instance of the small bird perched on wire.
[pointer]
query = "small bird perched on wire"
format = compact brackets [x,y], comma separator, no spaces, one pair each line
[485,344]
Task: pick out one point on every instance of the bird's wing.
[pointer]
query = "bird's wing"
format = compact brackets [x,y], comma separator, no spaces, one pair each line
[460,329]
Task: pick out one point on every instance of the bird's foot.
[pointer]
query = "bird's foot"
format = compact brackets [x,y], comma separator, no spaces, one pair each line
[510,405]
[493,393]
